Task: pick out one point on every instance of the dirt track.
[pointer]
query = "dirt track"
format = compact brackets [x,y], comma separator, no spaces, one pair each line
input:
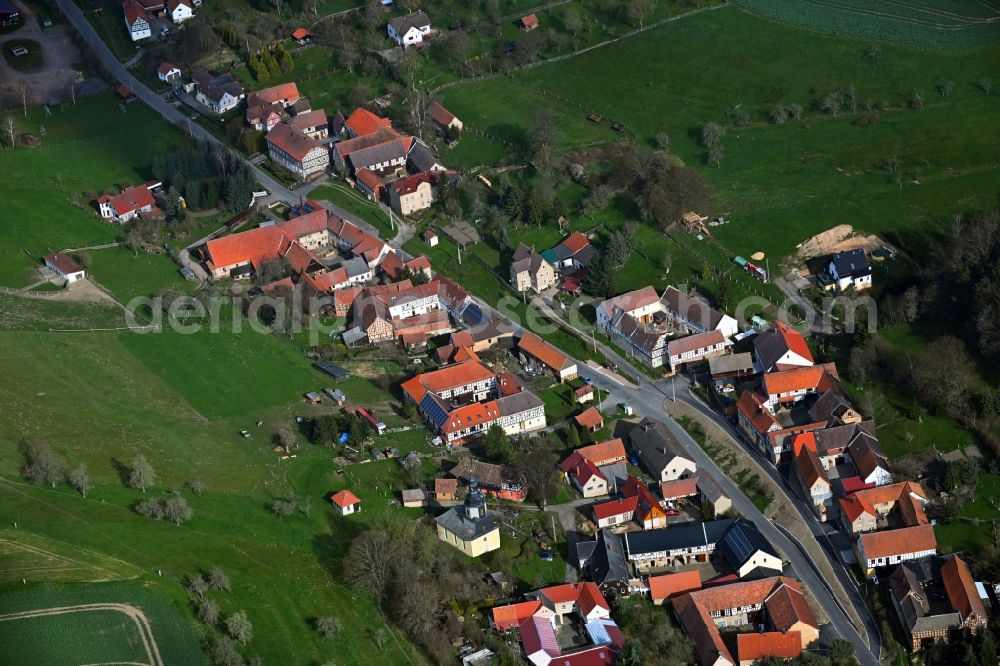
[137,616]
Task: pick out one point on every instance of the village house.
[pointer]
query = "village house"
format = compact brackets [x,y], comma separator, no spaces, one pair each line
[850,269]
[220,93]
[729,369]
[536,621]
[787,387]
[665,587]
[935,599]
[136,20]
[431,238]
[679,489]
[756,422]
[881,549]
[532,349]
[346,502]
[285,94]
[303,36]
[469,527]
[529,271]
[369,184]
[499,481]
[572,253]
[264,116]
[868,509]
[528,23]
[168,72]
[180,10]
[781,347]
[311,123]
[693,313]
[445,119]
[589,420]
[775,606]
[659,452]
[133,202]
[675,545]
[297,152]
[813,479]
[603,562]
[584,475]
[64,266]
[710,493]
[648,512]
[584,394]
[413,193]
[410,29]
[446,490]
[363,122]
[614,512]
[694,348]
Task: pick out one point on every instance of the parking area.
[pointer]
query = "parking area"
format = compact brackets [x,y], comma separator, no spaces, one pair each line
[54,79]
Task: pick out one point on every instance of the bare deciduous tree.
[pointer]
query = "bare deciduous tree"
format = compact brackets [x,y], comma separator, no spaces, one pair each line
[198,585]
[79,479]
[24,94]
[143,475]
[218,579]
[208,612]
[42,465]
[711,134]
[10,128]
[328,626]
[369,562]
[239,627]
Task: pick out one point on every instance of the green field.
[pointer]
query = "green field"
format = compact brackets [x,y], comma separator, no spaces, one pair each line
[93,636]
[28,557]
[778,184]
[935,24]
[49,190]
[128,275]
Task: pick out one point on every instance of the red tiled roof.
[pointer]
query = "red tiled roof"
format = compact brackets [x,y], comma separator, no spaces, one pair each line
[810,469]
[134,11]
[590,418]
[280,93]
[166,68]
[809,378]
[679,488]
[754,647]
[301,33]
[898,542]
[615,507]
[794,340]
[604,453]
[445,486]
[587,389]
[363,122]
[418,264]
[529,20]
[587,595]
[446,378]
[750,405]
[534,346]
[344,498]
[441,115]
[580,469]
[410,184]
[853,507]
[575,242]
[63,263]
[509,616]
[961,588]
[429,235]
[668,585]
[256,245]
[787,607]
[632,300]
[292,142]
[308,120]
[853,484]
[508,383]
[369,179]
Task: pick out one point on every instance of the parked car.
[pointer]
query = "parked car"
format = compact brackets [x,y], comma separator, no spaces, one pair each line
[671,512]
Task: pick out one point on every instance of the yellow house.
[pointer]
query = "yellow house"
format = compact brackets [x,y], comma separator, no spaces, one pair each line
[469,527]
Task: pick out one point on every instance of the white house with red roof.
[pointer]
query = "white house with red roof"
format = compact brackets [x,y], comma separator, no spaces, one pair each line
[346,502]
[537,619]
[132,202]
[413,193]
[296,151]
[584,475]
[65,267]
[180,10]
[168,72]
[137,20]
[781,348]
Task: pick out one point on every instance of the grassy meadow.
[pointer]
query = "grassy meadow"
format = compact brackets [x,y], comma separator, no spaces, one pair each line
[778,184]
[49,189]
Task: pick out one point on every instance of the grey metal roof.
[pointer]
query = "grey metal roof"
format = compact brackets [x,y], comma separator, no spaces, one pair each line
[455,521]
[518,402]
[356,266]
[852,263]
[676,537]
[421,157]
[655,445]
[402,24]
[730,363]
[382,152]
[353,336]
[608,563]
[584,551]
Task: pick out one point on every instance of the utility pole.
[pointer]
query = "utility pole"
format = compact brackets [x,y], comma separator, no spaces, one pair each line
[391,222]
[459,253]
[593,339]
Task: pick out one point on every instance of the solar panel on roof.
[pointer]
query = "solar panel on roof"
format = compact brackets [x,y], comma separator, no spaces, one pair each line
[434,411]
[739,543]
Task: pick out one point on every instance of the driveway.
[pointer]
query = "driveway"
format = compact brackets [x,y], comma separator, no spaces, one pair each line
[52,82]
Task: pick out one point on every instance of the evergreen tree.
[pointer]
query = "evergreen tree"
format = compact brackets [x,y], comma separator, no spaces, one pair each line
[600,279]
[572,437]
[284,59]
[513,203]
[267,58]
[258,68]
